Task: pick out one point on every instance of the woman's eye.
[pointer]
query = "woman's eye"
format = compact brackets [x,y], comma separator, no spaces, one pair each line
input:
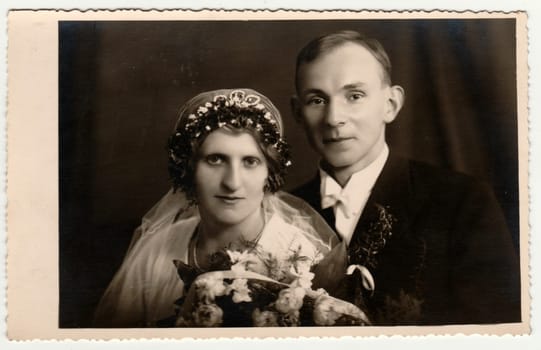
[251,162]
[214,159]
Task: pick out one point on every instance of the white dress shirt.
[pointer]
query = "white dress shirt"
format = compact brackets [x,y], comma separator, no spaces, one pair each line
[348,202]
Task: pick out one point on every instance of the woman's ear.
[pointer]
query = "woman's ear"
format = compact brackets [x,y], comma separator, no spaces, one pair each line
[266,187]
[395,101]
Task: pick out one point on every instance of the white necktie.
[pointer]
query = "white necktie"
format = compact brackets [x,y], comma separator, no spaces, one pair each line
[341,201]
[342,212]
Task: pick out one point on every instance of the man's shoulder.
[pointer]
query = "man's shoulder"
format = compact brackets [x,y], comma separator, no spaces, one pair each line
[431,185]
[309,191]
[419,177]
[423,174]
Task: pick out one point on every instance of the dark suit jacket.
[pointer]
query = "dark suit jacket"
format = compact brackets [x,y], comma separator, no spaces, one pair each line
[450,258]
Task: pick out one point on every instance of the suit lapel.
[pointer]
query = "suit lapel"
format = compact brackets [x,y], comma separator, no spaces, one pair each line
[397,268]
[392,188]
[391,192]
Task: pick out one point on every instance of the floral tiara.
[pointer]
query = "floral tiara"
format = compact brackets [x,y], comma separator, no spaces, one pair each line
[237,110]
[239,100]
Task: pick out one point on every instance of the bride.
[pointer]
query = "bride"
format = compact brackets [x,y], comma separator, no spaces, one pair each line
[227,160]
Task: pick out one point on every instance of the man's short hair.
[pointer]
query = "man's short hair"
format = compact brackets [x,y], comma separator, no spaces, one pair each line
[327,43]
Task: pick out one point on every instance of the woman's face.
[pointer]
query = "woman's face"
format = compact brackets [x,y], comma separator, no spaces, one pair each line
[230,174]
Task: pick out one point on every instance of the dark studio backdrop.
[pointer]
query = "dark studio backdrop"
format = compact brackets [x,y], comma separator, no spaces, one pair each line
[122,83]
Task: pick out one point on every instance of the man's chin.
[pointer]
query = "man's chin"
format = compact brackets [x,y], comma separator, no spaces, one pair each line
[338,161]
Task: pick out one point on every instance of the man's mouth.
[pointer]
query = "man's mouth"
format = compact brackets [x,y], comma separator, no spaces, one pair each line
[331,140]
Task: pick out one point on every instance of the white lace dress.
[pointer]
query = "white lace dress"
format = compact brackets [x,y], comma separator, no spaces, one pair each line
[146,286]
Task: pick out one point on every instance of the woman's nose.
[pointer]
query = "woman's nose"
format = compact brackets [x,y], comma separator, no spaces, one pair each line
[333,114]
[232,177]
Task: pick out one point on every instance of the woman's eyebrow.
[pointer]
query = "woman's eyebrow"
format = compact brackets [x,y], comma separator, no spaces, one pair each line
[206,154]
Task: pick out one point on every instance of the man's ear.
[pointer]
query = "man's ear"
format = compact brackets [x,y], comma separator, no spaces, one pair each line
[296,108]
[395,101]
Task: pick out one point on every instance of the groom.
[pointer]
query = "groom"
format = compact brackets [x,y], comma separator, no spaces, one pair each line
[435,242]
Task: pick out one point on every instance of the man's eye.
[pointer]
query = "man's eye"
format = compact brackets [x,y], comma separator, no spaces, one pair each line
[251,162]
[315,101]
[214,159]
[354,96]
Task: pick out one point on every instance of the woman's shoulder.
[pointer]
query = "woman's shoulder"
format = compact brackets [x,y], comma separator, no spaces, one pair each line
[170,239]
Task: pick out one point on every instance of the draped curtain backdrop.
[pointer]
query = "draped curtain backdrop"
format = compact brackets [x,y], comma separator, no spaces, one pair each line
[122,83]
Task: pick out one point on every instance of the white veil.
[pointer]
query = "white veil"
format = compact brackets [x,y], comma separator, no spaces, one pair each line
[300,214]
[174,206]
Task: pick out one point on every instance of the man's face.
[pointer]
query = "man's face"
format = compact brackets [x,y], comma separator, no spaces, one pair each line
[344,106]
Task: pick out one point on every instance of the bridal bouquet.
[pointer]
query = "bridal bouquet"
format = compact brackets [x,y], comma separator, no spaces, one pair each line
[249,288]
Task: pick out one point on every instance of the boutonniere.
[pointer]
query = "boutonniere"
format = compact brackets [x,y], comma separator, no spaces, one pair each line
[345,271]
[366,246]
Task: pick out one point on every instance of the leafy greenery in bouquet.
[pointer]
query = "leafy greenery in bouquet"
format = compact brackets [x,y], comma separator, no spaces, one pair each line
[247,288]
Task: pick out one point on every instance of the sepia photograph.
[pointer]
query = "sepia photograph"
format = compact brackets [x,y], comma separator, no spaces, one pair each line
[178,138]
[354,172]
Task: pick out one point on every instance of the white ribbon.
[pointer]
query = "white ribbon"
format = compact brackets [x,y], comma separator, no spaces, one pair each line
[228,274]
[342,306]
[367,279]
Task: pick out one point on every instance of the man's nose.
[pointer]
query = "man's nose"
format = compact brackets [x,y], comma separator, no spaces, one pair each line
[333,114]
[232,177]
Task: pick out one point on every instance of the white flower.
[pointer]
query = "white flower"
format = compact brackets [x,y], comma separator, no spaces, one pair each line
[324,312]
[202,110]
[302,266]
[264,318]
[300,274]
[259,106]
[241,260]
[208,315]
[208,288]
[290,300]
[328,310]
[236,256]
[303,281]
[192,117]
[208,104]
[240,290]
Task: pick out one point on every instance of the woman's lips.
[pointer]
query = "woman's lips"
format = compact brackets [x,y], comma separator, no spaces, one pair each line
[229,199]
